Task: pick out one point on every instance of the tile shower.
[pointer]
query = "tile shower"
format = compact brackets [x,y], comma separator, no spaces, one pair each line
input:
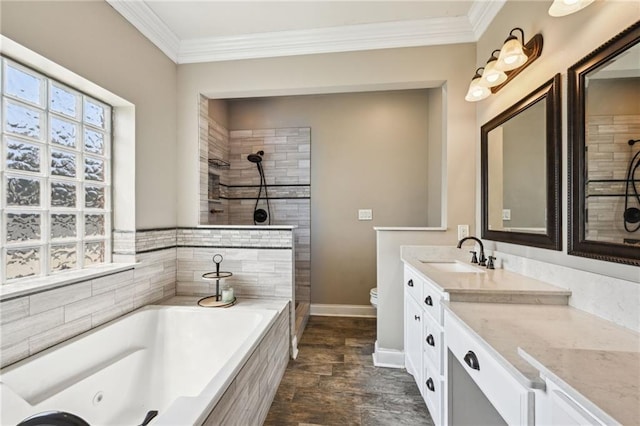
[229,183]
[608,156]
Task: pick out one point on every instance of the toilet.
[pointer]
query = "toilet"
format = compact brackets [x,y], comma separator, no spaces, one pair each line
[374,297]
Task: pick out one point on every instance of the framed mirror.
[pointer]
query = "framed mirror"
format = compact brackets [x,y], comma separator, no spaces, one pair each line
[521,167]
[604,151]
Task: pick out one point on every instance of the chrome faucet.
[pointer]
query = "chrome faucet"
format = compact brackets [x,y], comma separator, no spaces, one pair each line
[483,260]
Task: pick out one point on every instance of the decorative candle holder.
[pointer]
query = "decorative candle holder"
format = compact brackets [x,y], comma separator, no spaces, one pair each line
[217,301]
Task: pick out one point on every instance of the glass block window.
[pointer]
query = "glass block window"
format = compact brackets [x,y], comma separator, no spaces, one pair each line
[55,172]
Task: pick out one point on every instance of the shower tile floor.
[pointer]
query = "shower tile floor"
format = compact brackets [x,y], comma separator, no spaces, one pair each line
[333,381]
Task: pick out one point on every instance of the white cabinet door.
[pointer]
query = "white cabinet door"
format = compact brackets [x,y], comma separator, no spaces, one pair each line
[412,341]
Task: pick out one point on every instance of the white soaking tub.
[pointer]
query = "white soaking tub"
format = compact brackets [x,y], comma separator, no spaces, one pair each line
[173,359]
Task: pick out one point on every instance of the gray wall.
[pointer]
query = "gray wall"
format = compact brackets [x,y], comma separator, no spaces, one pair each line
[385,69]
[369,150]
[94,41]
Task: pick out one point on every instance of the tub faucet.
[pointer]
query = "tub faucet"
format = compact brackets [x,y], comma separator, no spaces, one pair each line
[483,260]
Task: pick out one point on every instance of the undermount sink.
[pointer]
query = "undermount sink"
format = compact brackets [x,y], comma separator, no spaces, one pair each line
[453,266]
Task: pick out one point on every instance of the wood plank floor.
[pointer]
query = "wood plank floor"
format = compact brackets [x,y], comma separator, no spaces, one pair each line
[333,381]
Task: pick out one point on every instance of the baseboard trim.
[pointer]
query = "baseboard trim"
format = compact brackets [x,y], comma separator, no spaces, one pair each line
[390,358]
[294,347]
[330,310]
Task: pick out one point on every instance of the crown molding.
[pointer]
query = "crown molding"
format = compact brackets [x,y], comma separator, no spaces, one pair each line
[482,13]
[147,22]
[425,32]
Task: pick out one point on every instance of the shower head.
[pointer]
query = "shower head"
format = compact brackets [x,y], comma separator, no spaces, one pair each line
[255,158]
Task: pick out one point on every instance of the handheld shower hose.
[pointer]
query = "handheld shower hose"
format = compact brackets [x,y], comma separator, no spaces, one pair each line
[632,214]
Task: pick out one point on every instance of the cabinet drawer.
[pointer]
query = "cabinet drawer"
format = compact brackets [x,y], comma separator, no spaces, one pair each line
[512,400]
[432,339]
[413,284]
[431,302]
[433,393]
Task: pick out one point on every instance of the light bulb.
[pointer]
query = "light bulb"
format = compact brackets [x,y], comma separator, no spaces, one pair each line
[492,76]
[567,7]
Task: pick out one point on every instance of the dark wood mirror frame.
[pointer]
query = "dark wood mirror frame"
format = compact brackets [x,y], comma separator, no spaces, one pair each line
[552,239]
[578,245]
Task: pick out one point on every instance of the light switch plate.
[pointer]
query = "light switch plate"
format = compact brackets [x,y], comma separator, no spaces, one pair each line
[365,214]
[463,231]
[506,214]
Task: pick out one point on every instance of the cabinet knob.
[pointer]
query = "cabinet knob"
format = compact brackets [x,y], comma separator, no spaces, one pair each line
[428,301]
[410,283]
[472,360]
[430,340]
[430,385]
[416,317]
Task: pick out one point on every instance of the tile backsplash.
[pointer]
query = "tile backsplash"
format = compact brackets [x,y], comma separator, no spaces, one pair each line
[610,298]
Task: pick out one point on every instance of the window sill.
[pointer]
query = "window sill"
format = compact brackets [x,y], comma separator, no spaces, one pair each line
[38,285]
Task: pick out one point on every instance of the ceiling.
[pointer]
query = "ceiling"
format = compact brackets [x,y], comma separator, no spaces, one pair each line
[204,31]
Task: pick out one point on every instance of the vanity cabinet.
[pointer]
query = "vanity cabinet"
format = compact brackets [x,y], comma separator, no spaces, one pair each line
[423,340]
[514,401]
[556,407]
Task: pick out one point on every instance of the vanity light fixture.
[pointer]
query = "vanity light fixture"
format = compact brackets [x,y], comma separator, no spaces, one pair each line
[492,75]
[512,54]
[477,91]
[567,7]
[513,58]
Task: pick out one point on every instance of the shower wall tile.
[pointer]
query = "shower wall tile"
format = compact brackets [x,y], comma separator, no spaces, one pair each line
[287,161]
[214,144]
[608,157]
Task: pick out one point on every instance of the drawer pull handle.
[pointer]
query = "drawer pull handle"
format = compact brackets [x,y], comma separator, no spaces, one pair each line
[430,340]
[430,385]
[472,360]
[416,317]
[428,301]
[410,283]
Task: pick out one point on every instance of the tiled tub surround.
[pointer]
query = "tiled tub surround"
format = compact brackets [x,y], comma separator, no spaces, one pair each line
[248,398]
[258,273]
[36,321]
[248,366]
[261,261]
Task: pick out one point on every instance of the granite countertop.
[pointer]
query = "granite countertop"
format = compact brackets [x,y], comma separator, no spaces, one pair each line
[488,285]
[594,361]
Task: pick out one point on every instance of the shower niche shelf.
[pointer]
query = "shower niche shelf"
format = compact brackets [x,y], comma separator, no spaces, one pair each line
[219,163]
